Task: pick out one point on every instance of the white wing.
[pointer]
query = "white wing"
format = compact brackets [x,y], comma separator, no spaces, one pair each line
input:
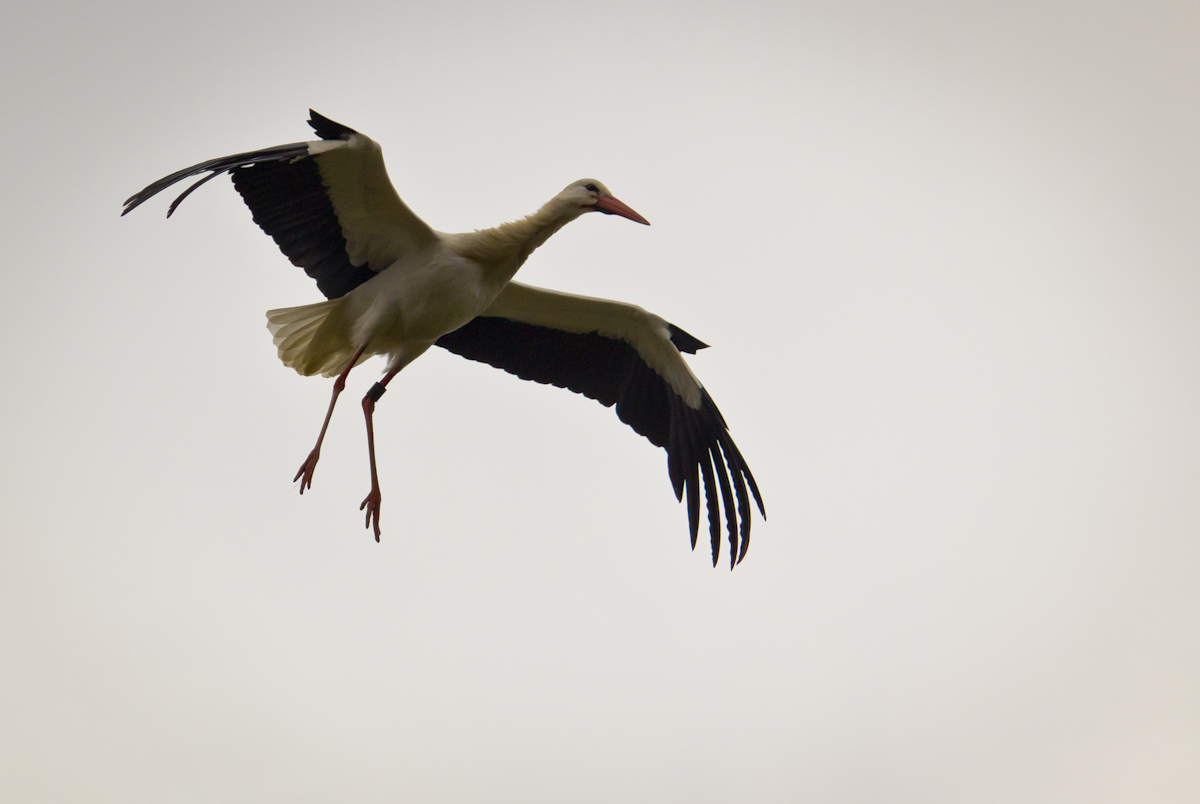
[622,355]
[649,335]
[379,228]
[328,204]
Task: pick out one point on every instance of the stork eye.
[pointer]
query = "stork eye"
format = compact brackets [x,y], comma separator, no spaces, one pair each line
[590,188]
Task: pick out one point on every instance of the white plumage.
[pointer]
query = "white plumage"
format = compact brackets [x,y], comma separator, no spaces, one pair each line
[396,287]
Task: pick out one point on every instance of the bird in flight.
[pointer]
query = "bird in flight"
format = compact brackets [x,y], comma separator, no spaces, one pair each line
[395,287]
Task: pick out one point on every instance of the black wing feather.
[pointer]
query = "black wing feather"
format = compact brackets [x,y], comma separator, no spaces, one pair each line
[689,457]
[612,372]
[684,342]
[222,164]
[289,202]
[727,501]
[710,500]
[328,129]
[283,188]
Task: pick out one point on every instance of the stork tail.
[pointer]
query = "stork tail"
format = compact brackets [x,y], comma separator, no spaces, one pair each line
[310,338]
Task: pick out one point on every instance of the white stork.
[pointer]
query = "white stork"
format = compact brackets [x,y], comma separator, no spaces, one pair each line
[395,287]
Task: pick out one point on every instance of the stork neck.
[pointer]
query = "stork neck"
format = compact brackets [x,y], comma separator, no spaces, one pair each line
[505,247]
[541,225]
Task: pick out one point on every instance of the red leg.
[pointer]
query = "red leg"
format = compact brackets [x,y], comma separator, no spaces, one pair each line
[310,463]
[371,503]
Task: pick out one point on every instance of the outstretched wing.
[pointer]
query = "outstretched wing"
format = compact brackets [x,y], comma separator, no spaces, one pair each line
[619,354]
[328,204]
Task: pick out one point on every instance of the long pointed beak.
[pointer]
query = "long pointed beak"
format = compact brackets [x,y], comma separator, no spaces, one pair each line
[611,206]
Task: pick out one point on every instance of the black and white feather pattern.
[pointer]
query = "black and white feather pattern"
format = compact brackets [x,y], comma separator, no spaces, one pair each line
[613,372]
[289,198]
[289,202]
[310,197]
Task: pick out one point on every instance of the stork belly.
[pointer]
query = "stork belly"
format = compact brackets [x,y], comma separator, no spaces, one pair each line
[416,306]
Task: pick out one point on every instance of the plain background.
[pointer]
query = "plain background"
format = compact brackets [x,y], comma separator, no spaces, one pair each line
[946,254]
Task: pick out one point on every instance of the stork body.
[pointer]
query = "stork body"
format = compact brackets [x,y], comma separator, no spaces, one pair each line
[396,287]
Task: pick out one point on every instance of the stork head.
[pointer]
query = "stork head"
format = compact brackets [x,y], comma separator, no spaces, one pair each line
[592,196]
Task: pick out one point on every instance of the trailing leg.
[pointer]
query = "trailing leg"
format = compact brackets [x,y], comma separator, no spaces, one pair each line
[373,500]
[307,468]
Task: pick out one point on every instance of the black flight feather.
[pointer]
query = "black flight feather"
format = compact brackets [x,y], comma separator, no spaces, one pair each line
[289,202]
[327,129]
[283,188]
[612,372]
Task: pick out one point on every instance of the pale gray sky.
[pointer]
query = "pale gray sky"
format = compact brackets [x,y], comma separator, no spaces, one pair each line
[947,256]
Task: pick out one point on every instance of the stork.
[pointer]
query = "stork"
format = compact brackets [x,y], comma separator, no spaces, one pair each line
[395,287]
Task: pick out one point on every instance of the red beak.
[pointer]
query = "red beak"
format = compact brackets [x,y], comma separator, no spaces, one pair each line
[611,206]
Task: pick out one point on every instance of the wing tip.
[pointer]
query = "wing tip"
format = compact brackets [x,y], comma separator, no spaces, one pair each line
[328,129]
[703,443]
[684,342]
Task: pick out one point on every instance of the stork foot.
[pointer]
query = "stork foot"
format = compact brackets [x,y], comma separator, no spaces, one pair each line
[371,506]
[306,470]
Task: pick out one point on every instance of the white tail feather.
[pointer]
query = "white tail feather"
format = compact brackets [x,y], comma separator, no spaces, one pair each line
[310,338]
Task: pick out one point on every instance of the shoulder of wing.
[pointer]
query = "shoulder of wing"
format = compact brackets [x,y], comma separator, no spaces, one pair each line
[647,333]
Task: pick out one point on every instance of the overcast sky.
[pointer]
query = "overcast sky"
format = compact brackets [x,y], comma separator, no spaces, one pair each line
[948,259]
